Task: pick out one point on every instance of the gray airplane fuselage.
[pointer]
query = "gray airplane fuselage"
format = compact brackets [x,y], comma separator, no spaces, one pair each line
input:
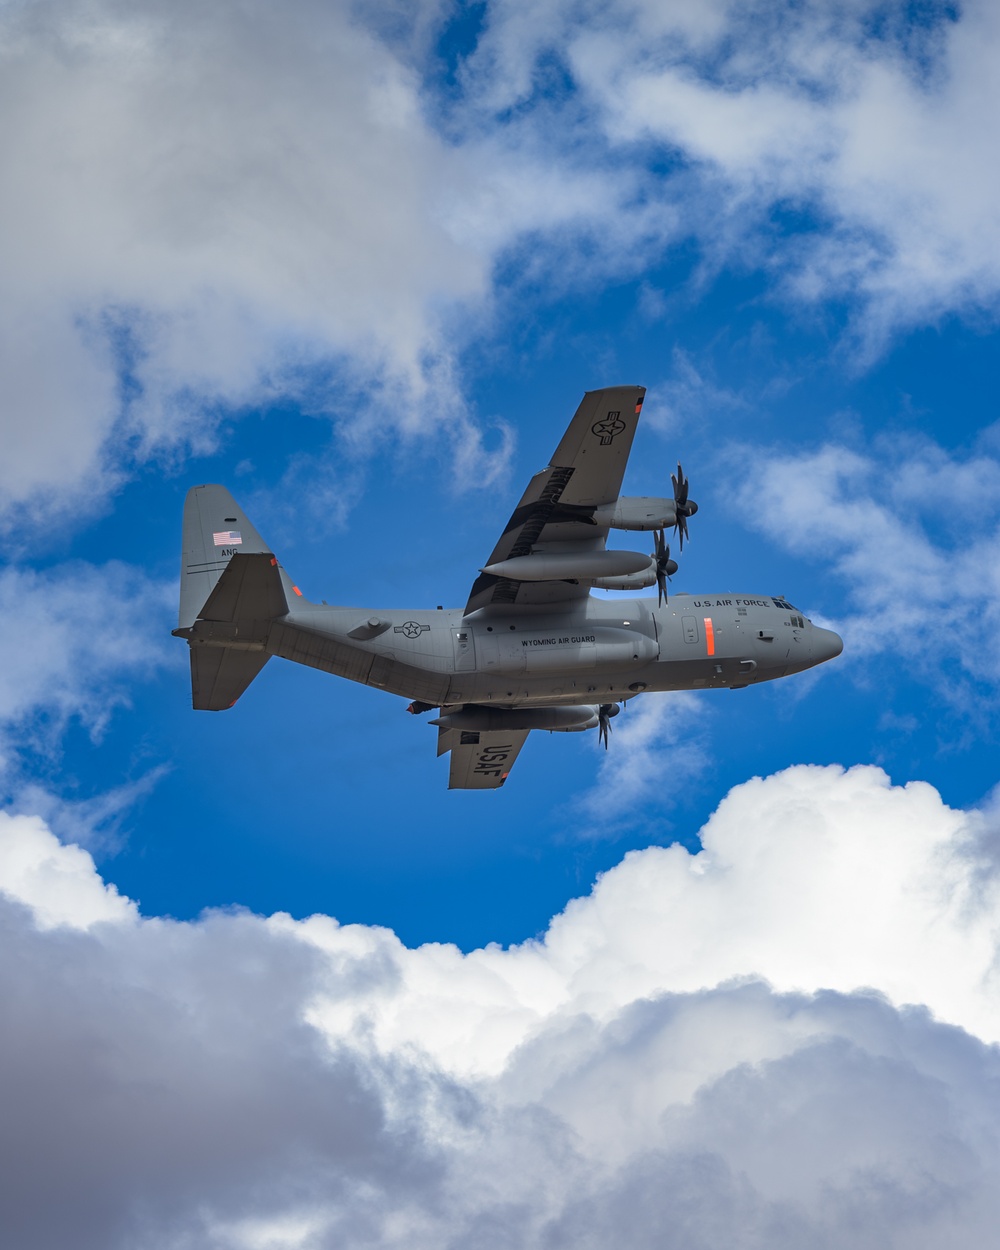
[534,647]
[598,650]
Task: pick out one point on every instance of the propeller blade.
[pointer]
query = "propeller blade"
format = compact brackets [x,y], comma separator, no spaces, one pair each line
[663,569]
[604,723]
[680,486]
[683,507]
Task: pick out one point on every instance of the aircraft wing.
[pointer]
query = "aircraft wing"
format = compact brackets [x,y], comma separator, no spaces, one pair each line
[480,760]
[557,511]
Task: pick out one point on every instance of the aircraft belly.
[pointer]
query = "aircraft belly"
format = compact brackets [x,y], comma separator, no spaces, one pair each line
[320,651]
[603,684]
[408,681]
[382,670]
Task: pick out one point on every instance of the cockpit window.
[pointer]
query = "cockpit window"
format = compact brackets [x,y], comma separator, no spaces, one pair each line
[783,603]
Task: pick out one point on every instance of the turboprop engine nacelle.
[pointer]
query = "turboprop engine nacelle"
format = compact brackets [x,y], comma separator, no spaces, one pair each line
[630,581]
[544,566]
[639,512]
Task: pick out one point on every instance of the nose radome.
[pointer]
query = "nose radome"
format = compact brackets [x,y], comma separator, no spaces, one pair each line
[826,645]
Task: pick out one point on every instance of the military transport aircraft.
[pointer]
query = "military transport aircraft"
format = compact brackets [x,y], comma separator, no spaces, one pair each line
[532,649]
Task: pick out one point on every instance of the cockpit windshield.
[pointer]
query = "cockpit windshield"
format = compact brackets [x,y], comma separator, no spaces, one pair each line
[779,602]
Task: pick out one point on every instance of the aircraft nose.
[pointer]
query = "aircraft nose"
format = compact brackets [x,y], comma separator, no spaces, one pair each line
[826,645]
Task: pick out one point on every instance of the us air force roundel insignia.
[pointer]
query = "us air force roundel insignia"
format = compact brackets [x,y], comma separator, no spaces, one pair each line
[410,629]
[608,428]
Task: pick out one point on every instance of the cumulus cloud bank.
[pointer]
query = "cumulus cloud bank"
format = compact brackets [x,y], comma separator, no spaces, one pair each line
[708,1050]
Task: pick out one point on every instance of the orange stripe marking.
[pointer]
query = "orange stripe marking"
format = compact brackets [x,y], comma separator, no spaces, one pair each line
[709,635]
[296,589]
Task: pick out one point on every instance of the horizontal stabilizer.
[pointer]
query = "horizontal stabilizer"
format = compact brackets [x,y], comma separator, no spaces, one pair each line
[219,675]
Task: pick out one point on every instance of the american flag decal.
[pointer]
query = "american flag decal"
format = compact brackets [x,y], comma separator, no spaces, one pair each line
[228,538]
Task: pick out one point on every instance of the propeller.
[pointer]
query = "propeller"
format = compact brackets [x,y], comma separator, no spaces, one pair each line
[604,715]
[665,567]
[683,506]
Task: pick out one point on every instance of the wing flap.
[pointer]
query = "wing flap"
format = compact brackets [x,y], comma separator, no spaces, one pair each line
[482,760]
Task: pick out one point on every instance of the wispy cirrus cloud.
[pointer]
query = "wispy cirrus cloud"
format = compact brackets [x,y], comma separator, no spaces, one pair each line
[208,210]
[912,531]
[844,150]
[658,744]
[76,637]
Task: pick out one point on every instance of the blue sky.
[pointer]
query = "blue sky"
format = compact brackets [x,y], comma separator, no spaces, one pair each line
[360,266]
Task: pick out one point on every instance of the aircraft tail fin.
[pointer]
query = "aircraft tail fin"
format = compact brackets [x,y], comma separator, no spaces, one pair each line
[232,588]
[215,528]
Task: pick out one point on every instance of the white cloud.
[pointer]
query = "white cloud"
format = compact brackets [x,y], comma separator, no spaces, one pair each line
[205,208]
[913,531]
[685,397]
[873,121]
[75,634]
[243,1082]
[814,878]
[217,200]
[657,744]
[59,883]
